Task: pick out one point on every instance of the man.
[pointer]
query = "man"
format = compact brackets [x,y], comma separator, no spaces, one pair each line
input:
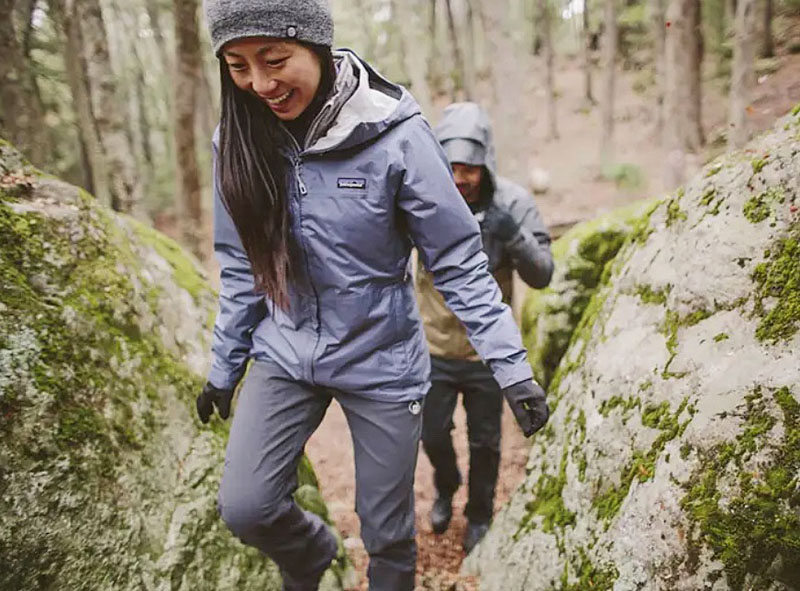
[514,237]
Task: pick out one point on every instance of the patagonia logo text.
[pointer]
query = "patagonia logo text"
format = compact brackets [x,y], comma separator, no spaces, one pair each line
[352,183]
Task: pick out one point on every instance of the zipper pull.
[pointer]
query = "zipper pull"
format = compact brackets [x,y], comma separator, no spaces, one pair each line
[300,184]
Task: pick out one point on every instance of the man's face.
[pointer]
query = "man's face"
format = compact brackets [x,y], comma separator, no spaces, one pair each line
[468,180]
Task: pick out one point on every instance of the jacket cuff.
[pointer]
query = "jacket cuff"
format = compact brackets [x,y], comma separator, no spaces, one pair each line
[509,374]
[223,380]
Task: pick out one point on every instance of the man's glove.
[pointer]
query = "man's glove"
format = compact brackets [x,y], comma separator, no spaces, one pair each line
[527,401]
[211,396]
[499,222]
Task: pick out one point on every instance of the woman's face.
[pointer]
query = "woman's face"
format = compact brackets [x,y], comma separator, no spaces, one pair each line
[283,74]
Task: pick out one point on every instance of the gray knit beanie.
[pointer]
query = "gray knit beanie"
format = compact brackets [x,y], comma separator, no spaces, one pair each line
[299,20]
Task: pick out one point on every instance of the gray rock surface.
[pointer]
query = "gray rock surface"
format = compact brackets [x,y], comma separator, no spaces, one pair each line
[107,479]
[672,460]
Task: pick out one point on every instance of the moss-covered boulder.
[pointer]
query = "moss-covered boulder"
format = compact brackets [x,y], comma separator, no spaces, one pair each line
[672,459]
[107,480]
[550,316]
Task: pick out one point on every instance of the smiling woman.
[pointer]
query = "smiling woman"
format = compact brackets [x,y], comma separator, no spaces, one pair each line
[325,175]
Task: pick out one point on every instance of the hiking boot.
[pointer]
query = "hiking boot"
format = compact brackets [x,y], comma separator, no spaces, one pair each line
[474,534]
[310,581]
[441,513]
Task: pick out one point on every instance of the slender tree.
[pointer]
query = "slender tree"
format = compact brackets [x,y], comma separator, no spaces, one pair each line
[412,52]
[609,66]
[457,53]
[21,111]
[742,74]
[768,46]
[658,28]
[587,56]
[188,65]
[545,21]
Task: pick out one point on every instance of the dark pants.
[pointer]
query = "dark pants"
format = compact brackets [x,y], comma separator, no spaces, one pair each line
[483,402]
[274,418]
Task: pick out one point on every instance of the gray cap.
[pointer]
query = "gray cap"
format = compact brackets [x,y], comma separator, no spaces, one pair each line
[465,151]
[299,20]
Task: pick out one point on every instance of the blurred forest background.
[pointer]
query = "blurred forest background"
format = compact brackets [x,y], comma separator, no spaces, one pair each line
[594,102]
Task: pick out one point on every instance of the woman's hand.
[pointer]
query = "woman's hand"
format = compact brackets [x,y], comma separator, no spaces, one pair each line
[527,402]
[212,396]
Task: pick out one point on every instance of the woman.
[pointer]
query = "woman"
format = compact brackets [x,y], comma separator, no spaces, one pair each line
[325,173]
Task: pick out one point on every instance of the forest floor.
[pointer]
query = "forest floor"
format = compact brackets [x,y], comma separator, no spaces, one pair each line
[577,192]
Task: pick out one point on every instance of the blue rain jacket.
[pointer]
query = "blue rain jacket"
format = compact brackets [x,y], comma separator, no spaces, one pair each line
[370,183]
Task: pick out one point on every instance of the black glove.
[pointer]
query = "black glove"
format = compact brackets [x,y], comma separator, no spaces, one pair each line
[498,222]
[210,396]
[527,401]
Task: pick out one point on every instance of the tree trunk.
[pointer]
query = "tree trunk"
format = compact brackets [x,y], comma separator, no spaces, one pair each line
[682,94]
[547,42]
[21,112]
[609,65]
[471,52]
[742,74]
[187,75]
[105,107]
[412,52]
[95,179]
[768,48]
[657,24]
[587,56]
[457,56]
[365,16]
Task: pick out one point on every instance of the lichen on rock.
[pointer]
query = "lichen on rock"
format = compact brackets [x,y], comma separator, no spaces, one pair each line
[107,479]
[670,461]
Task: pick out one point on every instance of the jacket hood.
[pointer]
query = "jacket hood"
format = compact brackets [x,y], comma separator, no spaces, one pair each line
[463,124]
[363,106]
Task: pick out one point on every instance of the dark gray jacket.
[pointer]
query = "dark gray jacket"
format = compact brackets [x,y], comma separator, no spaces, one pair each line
[528,251]
[371,181]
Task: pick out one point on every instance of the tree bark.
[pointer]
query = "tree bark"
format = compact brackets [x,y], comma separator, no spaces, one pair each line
[682,77]
[105,108]
[587,56]
[412,51]
[657,24]
[187,75]
[742,74]
[547,42]
[609,65]
[768,48]
[457,55]
[21,111]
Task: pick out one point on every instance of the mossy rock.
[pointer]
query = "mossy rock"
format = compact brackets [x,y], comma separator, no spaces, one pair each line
[550,316]
[672,457]
[107,479]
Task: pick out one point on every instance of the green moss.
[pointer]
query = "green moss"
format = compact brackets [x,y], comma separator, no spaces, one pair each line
[548,502]
[718,338]
[674,212]
[708,196]
[759,208]
[648,295]
[777,293]
[713,169]
[796,110]
[642,466]
[589,577]
[669,328]
[758,164]
[185,271]
[626,404]
[754,528]
[686,449]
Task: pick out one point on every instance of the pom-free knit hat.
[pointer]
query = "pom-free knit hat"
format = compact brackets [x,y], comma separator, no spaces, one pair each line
[299,20]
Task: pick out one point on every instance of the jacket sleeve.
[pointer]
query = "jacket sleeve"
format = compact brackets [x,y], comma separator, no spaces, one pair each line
[530,248]
[449,244]
[240,307]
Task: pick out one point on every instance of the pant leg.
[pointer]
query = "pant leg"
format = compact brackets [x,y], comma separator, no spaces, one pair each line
[273,420]
[386,443]
[437,425]
[483,402]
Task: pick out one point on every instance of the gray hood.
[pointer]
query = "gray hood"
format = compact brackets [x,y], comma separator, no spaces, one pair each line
[466,136]
[363,106]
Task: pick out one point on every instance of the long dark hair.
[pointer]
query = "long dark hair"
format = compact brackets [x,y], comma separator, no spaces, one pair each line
[253,183]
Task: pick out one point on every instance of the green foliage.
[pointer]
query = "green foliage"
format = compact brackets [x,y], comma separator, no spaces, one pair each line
[625,176]
[548,502]
[589,576]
